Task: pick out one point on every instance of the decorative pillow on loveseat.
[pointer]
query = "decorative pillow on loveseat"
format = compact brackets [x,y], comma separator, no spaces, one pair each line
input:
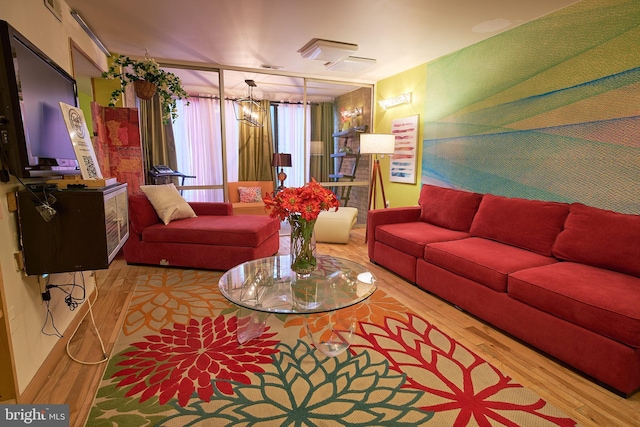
[167,202]
[250,194]
[600,238]
[448,207]
[527,224]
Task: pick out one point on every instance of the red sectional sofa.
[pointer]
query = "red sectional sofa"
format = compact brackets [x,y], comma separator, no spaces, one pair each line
[565,278]
[215,239]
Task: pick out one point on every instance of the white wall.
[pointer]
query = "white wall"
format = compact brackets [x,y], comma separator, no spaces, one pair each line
[25,310]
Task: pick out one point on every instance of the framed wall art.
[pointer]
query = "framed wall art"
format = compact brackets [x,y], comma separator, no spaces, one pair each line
[404,160]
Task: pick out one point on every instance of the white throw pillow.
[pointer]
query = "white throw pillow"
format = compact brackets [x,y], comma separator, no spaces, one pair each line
[167,202]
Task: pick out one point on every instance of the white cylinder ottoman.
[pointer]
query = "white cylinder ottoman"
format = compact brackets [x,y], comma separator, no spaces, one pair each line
[334,226]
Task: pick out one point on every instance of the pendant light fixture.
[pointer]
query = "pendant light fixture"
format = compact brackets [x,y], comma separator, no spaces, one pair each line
[249,111]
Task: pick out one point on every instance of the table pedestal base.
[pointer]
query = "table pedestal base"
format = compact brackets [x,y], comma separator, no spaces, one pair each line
[250,324]
[331,340]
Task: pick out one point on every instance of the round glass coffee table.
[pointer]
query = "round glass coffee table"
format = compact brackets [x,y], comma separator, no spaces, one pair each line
[267,285]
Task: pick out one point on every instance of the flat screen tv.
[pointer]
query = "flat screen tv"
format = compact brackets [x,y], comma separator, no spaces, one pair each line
[34,141]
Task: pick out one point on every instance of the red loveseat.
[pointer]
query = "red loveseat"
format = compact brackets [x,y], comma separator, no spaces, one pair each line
[215,239]
[564,278]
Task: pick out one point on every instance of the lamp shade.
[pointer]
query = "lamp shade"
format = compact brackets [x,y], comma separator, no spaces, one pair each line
[281,160]
[316,148]
[377,143]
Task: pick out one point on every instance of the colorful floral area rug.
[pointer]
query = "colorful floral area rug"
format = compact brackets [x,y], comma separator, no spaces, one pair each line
[177,362]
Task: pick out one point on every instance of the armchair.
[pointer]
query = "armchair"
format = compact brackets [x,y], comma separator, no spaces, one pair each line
[255,207]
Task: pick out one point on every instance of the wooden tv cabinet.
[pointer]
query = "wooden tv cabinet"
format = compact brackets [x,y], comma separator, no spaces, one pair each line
[86,232]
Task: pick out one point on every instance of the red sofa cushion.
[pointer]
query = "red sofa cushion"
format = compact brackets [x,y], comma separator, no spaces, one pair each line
[602,301]
[142,214]
[527,224]
[448,207]
[410,237]
[484,261]
[235,230]
[212,208]
[600,238]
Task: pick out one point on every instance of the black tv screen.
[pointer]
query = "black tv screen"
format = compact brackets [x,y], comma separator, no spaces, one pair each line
[33,137]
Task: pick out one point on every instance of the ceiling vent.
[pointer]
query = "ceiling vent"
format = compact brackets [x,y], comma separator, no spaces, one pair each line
[327,50]
[350,64]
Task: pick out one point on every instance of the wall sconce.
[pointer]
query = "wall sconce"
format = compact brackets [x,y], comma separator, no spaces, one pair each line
[405,98]
[349,114]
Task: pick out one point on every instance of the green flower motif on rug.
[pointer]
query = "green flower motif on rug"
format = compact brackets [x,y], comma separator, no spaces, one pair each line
[115,409]
[306,388]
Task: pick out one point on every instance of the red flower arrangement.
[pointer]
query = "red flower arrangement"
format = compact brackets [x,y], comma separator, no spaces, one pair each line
[305,202]
[301,206]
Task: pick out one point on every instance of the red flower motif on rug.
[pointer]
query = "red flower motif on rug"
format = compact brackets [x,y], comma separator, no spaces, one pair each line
[184,360]
[463,388]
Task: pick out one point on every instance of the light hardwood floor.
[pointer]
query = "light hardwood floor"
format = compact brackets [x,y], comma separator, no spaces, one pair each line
[62,380]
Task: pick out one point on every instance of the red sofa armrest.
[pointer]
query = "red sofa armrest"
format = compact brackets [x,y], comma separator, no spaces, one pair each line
[141,213]
[378,217]
[212,208]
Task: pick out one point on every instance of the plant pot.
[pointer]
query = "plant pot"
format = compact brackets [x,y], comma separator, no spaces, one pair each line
[144,89]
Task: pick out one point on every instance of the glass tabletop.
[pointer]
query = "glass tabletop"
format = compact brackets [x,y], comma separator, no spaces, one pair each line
[269,285]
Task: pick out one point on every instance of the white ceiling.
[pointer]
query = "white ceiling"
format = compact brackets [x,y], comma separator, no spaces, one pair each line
[244,35]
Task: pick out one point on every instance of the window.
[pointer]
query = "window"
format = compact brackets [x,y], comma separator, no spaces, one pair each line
[291,138]
[197,133]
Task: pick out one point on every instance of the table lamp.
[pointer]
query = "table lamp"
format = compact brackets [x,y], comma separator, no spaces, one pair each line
[281,160]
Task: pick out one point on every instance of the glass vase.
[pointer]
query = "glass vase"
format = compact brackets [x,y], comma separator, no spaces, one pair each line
[303,246]
[304,293]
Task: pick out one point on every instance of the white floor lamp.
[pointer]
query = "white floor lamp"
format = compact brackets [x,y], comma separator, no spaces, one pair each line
[377,143]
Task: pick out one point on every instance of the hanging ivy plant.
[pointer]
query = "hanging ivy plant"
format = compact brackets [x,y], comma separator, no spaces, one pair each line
[168,85]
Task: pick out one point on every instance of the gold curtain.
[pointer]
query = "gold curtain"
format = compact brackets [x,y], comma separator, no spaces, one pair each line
[256,149]
[158,143]
[322,130]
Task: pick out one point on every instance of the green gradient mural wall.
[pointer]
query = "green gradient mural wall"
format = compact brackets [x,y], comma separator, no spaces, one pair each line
[548,110]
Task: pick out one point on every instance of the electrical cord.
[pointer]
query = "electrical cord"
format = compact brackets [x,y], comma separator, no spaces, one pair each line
[46,297]
[73,302]
[50,315]
[93,321]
